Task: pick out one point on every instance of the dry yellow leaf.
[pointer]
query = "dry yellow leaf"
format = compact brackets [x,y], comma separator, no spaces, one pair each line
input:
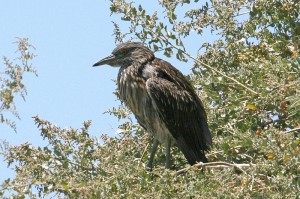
[251,106]
[270,156]
[258,131]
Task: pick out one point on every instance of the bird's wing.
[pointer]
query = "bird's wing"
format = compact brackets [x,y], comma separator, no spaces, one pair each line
[181,111]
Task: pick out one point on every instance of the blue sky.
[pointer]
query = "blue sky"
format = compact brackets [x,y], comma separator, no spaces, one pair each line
[69,36]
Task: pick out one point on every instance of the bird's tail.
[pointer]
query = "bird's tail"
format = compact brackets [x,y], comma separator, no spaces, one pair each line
[193,156]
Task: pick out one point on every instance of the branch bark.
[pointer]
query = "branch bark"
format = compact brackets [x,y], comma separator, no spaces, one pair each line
[217,165]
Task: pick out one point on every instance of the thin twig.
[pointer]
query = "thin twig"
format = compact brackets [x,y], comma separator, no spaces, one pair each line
[217,165]
[206,65]
[293,130]
[243,13]
[143,155]
[215,70]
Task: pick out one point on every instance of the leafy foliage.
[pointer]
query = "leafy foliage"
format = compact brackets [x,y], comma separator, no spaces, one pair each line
[11,80]
[248,79]
[76,165]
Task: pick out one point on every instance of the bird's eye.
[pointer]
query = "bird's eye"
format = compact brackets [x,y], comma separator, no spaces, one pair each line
[122,53]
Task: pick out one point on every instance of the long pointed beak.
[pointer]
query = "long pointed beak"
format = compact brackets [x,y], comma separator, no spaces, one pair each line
[107,60]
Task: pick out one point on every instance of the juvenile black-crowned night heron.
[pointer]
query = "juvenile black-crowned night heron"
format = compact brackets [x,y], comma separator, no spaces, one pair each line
[162,100]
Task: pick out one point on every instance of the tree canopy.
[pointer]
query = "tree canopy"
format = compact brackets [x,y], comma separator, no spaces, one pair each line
[11,80]
[248,77]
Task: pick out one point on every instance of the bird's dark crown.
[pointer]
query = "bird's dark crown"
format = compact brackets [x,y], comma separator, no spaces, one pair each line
[128,53]
[126,47]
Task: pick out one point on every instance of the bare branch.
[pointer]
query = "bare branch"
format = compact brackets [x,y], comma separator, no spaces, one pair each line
[293,130]
[217,165]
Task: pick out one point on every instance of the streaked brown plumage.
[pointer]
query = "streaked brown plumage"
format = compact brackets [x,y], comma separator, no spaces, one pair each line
[162,100]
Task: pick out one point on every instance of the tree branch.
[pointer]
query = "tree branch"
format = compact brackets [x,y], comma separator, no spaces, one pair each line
[206,65]
[217,165]
[293,130]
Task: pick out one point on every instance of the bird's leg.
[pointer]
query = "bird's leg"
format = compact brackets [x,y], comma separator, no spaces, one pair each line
[168,153]
[152,153]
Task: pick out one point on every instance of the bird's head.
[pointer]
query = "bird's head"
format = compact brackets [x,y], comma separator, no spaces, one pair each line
[126,54]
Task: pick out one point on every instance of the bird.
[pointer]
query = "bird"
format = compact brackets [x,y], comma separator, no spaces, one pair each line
[162,100]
